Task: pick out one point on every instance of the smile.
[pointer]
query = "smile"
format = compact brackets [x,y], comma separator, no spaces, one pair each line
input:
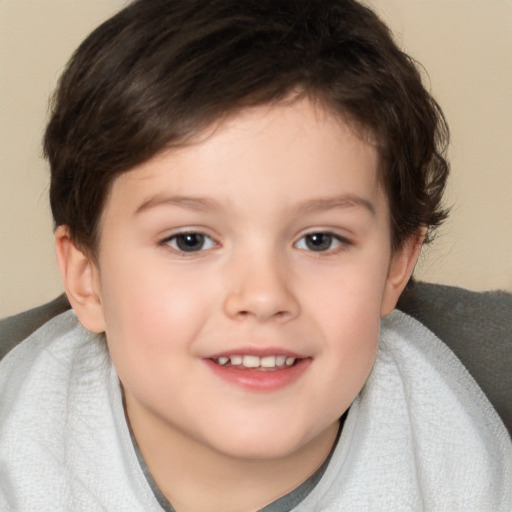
[266,372]
[254,362]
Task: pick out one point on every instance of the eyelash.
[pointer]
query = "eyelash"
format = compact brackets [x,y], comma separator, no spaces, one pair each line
[173,241]
[341,243]
[309,242]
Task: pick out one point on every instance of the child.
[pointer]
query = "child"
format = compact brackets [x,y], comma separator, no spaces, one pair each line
[240,192]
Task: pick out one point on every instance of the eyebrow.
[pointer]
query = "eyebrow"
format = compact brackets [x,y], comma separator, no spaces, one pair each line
[310,206]
[344,201]
[193,203]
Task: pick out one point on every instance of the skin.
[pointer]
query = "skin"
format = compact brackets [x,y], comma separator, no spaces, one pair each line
[257,186]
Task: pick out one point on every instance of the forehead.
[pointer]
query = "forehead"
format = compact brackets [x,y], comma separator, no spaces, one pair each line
[280,154]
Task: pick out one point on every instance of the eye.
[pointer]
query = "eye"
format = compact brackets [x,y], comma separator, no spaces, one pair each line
[320,242]
[190,242]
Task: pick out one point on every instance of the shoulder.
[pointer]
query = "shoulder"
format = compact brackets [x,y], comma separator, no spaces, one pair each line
[42,382]
[16,328]
[64,442]
[433,381]
[477,326]
[41,377]
[59,350]
[450,436]
[421,435]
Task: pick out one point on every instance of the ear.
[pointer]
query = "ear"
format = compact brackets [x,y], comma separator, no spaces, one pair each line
[400,270]
[81,281]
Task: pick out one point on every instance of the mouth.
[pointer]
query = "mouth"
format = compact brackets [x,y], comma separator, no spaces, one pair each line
[253,362]
[266,371]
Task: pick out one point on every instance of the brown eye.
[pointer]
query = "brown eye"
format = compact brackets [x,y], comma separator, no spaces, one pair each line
[190,242]
[320,242]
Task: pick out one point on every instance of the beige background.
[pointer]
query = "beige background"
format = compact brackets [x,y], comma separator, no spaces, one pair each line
[466,46]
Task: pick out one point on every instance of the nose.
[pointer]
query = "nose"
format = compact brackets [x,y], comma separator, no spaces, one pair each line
[261,289]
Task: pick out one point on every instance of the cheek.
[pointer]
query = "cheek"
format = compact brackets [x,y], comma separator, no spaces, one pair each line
[152,322]
[348,298]
[147,291]
[150,313]
[353,348]
[347,313]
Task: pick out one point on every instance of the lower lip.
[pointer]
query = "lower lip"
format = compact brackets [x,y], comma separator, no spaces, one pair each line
[260,380]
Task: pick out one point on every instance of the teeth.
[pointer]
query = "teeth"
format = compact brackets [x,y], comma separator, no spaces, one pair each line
[280,360]
[268,362]
[251,361]
[256,362]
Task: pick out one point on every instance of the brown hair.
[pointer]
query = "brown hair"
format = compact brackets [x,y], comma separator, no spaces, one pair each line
[160,71]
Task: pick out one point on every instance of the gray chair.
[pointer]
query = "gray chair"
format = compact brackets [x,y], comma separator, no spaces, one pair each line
[477,326]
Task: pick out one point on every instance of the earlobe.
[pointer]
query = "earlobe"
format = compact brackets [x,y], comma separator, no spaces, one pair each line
[400,270]
[81,281]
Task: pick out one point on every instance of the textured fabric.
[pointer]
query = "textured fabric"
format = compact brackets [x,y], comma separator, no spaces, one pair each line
[477,326]
[420,436]
[16,328]
[64,442]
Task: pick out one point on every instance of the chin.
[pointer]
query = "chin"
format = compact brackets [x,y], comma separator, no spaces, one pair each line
[261,452]
[270,443]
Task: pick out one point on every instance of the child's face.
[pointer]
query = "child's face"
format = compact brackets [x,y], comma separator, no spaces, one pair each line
[267,240]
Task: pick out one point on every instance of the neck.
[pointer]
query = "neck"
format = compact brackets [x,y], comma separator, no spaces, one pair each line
[196,478]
